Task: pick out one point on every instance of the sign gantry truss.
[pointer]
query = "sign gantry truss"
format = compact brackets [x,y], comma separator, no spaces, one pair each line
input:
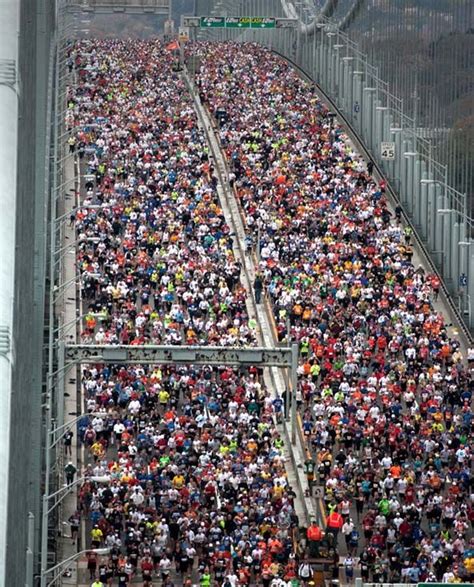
[233,22]
[187,355]
[283,357]
[119,6]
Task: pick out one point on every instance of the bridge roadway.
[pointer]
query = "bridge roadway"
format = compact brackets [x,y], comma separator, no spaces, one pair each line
[72,307]
[303,449]
[261,313]
[305,506]
[418,260]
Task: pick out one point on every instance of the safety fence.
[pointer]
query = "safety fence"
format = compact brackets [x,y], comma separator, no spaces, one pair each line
[437,212]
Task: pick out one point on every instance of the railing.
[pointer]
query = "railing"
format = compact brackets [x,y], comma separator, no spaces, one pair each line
[118,5]
[435,209]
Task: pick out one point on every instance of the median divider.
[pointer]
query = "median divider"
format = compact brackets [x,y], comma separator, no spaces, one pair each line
[313,509]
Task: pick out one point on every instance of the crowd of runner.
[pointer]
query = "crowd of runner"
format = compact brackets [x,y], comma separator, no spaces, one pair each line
[194,461]
[385,393]
[196,465]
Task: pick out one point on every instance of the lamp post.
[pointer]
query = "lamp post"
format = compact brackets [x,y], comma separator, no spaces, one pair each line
[441,264]
[44,575]
[367,105]
[446,238]
[58,289]
[428,194]
[408,164]
[60,252]
[73,180]
[63,427]
[464,279]
[60,494]
[79,317]
[76,209]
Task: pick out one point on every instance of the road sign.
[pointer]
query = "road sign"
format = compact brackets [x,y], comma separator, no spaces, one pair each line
[262,23]
[247,22]
[285,23]
[191,21]
[318,491]
[463,280]
[212,22]
[387,151]
[233,22]
[195,355]
[183,34]
[237,23]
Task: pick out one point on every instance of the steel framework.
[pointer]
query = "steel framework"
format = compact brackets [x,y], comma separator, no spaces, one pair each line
[187,355]
[281,357]
[119,6]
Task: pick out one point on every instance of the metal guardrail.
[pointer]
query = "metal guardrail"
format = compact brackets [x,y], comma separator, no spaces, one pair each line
[427,257]
[436,210]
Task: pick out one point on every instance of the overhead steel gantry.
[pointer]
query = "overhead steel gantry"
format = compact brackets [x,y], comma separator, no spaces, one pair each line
[119,6]
[188,355]
[327,10]
[282,357]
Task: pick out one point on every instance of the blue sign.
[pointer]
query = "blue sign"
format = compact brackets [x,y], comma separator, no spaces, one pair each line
[463,280]
[356,107]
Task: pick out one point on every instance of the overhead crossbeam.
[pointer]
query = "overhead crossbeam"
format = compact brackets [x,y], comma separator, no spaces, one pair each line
[184,355]
[119,6]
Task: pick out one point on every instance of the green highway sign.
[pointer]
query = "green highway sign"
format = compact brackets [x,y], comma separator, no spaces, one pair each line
[262,23]
[235,22]
[212,21]
[249,22]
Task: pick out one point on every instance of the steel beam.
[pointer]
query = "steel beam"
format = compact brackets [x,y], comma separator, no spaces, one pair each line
[117,6]
[187,355]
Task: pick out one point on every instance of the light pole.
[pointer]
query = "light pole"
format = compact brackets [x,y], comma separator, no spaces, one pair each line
[72,558]
[100,315]
[58,289]
[60,494]
[55,439]
[464,279]
[446,238]
[72,180]
[367,105]
[88,239]
[441,256]
[409,175]
[76,209]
